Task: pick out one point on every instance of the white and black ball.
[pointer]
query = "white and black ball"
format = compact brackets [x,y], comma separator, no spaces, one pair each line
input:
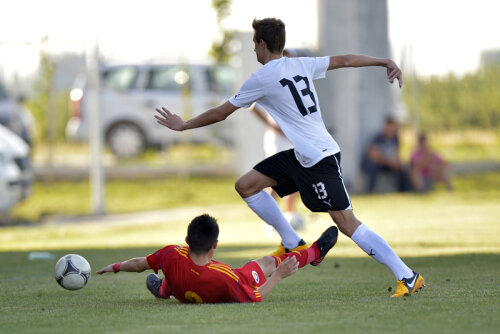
[72,272]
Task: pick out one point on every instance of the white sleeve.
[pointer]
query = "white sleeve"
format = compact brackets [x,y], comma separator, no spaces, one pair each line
[319,66]
[250,91]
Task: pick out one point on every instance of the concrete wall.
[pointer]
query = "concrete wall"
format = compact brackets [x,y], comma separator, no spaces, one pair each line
[354,102]
[249,129]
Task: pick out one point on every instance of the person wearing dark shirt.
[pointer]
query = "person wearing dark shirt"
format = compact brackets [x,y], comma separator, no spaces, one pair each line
[383,156]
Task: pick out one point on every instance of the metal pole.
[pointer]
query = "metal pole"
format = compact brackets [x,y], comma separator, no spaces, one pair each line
[95,132]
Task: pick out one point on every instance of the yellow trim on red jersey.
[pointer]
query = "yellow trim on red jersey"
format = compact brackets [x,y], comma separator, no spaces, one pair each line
[224,267]
[224,270]
[183,251]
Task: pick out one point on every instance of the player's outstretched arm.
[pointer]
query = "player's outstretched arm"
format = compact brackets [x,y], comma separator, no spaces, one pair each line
[393,71]
[137,264]
[172,121]
[286,268]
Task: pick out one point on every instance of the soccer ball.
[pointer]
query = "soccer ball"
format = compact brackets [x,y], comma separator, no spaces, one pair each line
[72,272]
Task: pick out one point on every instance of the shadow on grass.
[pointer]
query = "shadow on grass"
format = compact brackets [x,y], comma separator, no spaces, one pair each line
[15,221]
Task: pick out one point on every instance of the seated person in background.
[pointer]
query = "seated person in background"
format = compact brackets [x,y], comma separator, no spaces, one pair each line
[383,156]
[191,276]
[427,167]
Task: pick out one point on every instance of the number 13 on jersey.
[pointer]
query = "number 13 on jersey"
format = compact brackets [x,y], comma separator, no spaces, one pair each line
[305,92]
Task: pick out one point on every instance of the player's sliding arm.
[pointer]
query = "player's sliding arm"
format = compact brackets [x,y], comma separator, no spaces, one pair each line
[137,264]
[172,121]
[393,71]
[285,269]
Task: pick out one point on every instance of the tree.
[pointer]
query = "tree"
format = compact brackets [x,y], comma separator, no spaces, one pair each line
[221,48]
[451,102]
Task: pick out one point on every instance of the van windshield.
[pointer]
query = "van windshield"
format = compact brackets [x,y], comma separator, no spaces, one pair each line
[120,78]
[168,78]
[3,93]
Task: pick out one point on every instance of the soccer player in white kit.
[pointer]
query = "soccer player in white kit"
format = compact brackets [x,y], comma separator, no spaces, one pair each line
[284,87]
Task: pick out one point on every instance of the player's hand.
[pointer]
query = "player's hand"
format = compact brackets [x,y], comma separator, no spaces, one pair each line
[287,267]
[170,120]
[393,72]
[107,269]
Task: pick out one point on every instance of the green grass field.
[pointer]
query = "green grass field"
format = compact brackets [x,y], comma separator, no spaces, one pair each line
[343,295]
[453,239]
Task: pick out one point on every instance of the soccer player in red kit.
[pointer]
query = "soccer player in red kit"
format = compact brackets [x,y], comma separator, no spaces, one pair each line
[191,276]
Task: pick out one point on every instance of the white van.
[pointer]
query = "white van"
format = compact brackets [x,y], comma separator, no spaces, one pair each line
[131,92]
[16,174]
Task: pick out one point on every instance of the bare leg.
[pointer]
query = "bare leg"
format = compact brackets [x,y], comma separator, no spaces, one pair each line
[290,202]
[252,183]
[345,220]
[267,264]
[416,180]
[370,242]
[442,173]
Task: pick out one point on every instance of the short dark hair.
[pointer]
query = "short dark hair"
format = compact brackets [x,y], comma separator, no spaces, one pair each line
[390,120]
[202,232]
[272,31]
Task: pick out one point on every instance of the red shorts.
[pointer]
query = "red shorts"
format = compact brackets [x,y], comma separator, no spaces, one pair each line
[251,274]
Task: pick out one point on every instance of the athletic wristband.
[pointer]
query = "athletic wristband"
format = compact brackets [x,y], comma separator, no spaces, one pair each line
[116,267]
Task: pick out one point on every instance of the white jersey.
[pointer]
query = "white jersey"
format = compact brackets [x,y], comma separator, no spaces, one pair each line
[284,87]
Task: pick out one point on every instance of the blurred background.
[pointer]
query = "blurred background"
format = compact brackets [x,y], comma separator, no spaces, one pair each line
[79,83]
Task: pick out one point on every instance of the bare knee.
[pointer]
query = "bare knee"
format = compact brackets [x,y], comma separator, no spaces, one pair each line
[346,221]
[242,187]
[267,264]
[252,182]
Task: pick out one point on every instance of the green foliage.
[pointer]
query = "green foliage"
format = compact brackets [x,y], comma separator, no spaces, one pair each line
[40,103]
[223,8]
[452,102]
[49,109]
[456,146]
[220,50]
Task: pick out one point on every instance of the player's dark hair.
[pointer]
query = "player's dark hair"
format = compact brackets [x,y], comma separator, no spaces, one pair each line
[390,120]
[272,31]
[202,232]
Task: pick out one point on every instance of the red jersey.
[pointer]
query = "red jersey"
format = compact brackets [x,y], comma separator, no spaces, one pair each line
[214,282]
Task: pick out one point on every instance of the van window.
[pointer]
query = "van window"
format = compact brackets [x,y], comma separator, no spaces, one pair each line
[3,93]
[120,78]
[168,78]
[224,77]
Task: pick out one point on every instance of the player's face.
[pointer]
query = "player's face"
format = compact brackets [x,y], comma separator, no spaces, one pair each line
[391,129]
[258,50]
[422,141]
